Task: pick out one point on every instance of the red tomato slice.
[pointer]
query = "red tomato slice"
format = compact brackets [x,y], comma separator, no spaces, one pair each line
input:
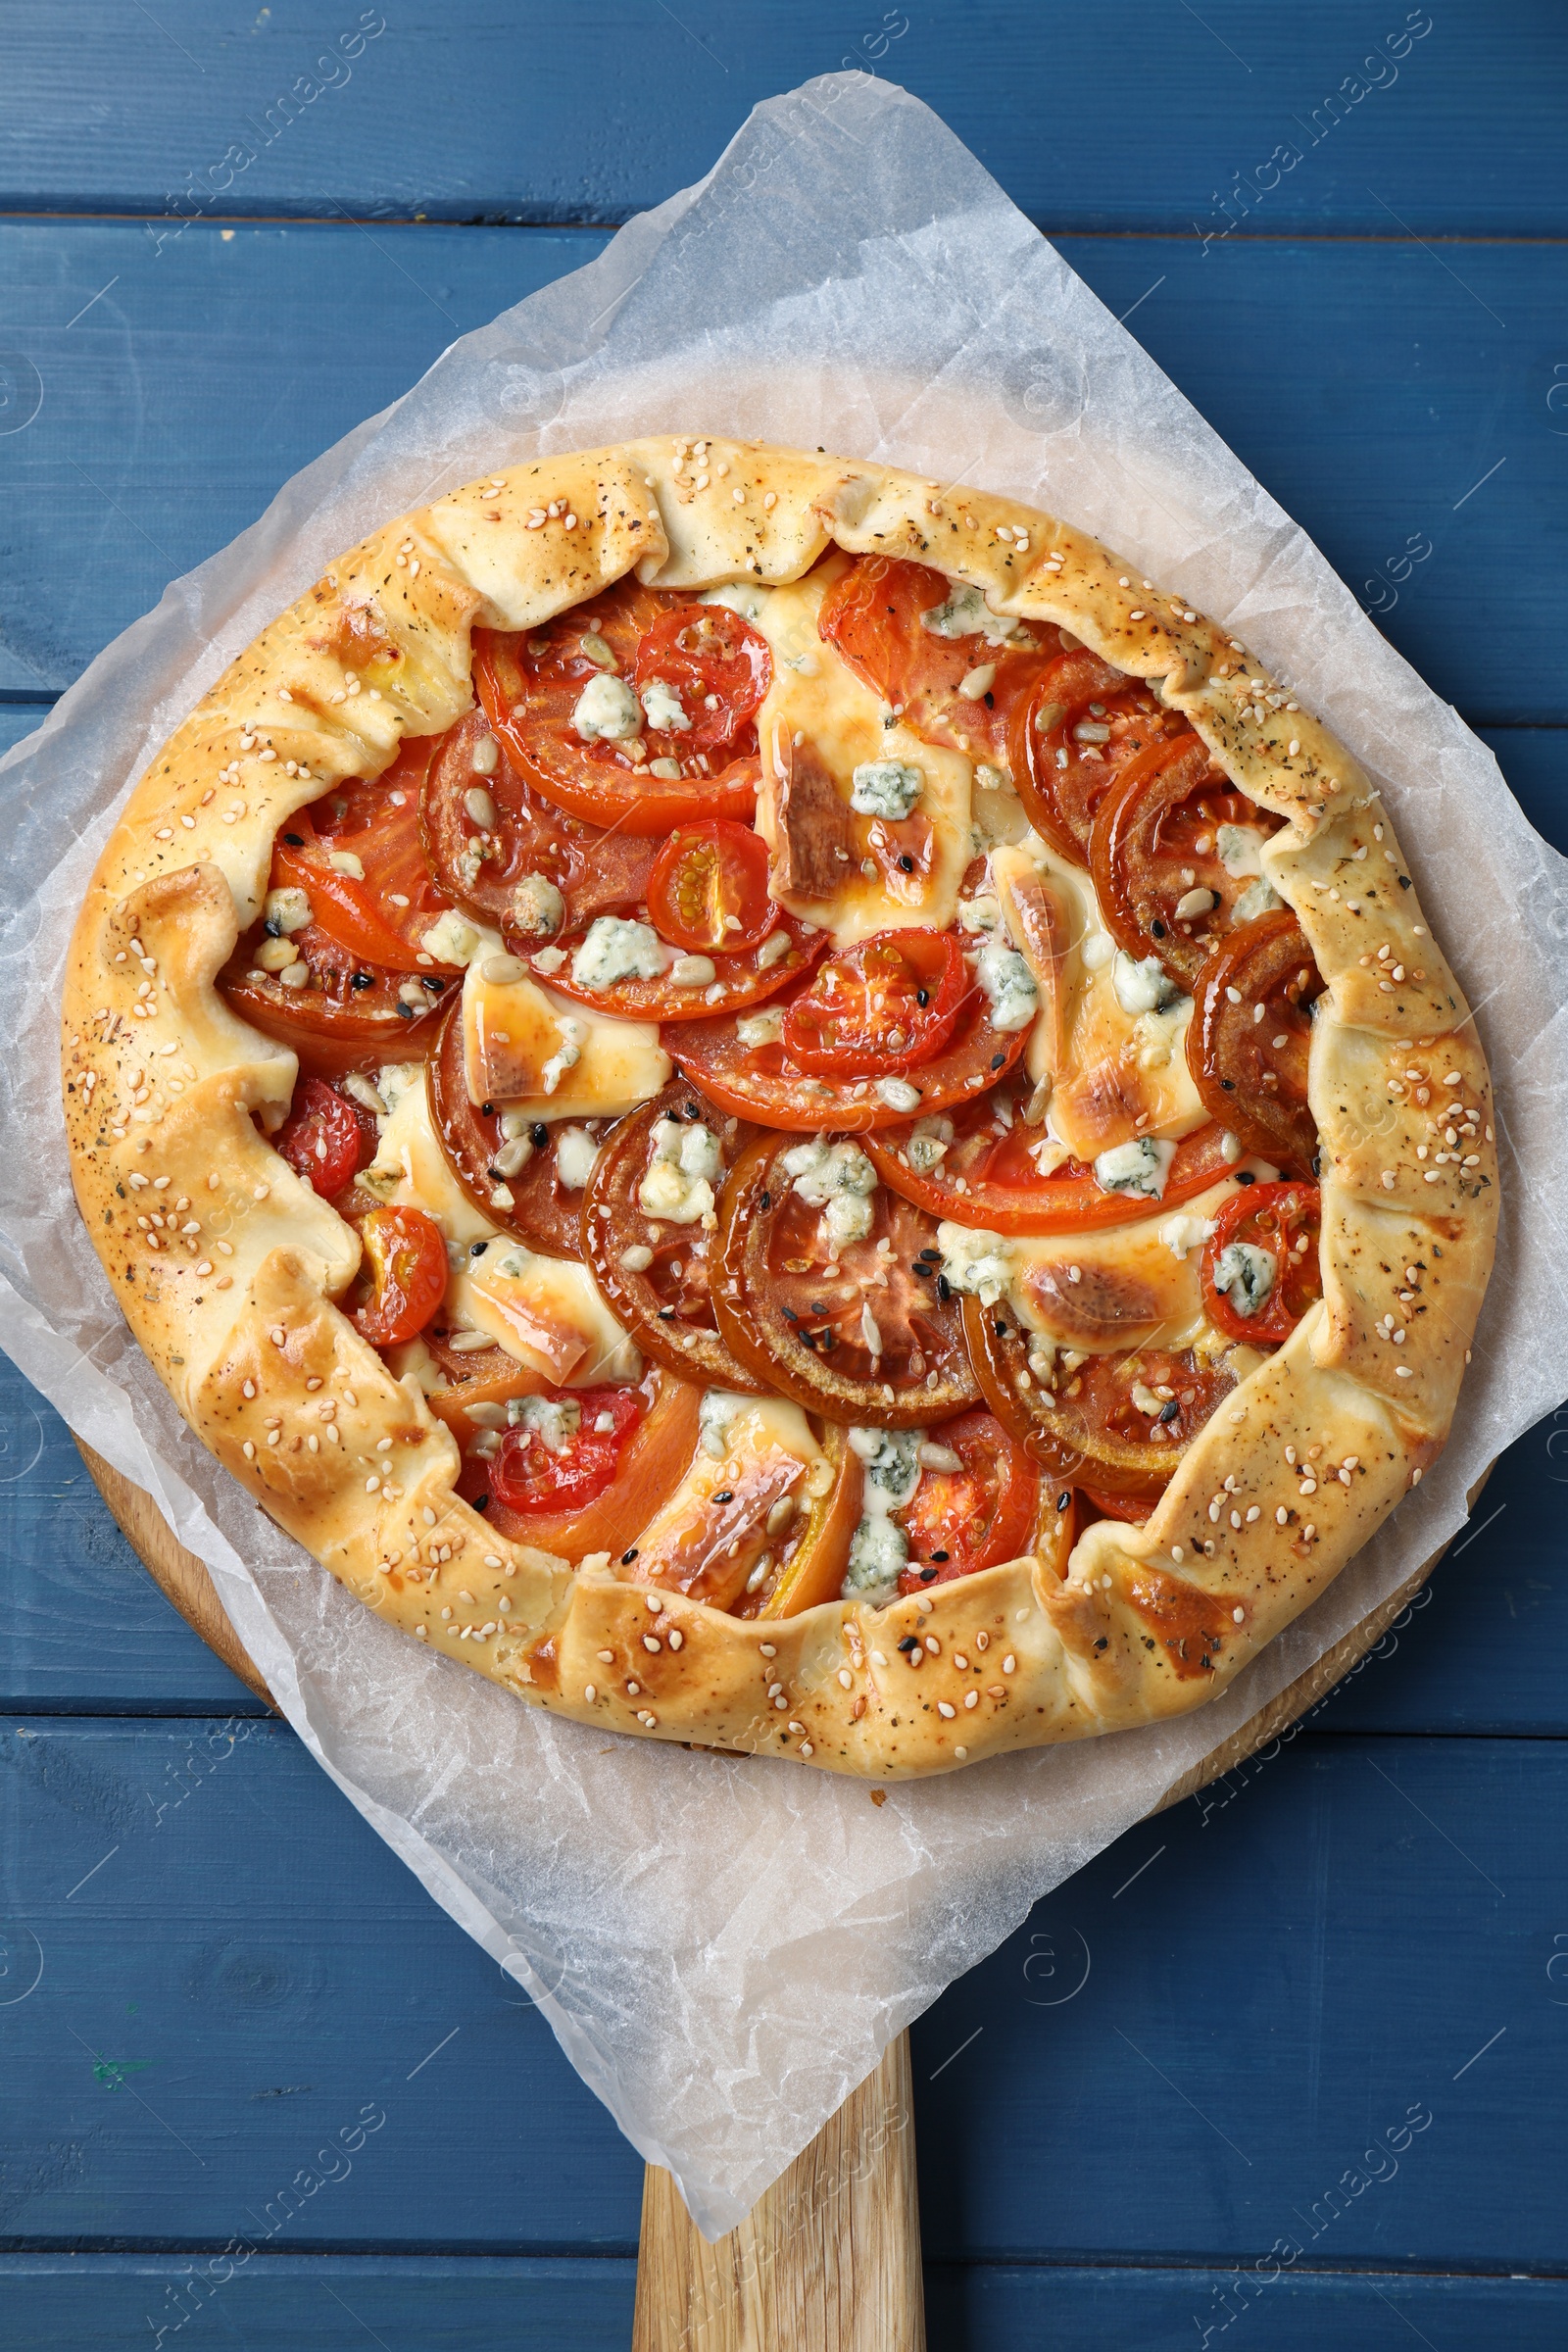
[651,1462]
[529,1476]
[708,889]
[1089,1429]
[483,1158]
[530,685]
[715,664]
[1153,844]
[326,1139]
[1072,735]
[987,1178]
[349,1016]
[749,977]
[485,830]
[873,616]
[764,1084]
[879,1008]
[1283,1220]
[1252,1072]
[407,1266]
[960,1521]
[381,916]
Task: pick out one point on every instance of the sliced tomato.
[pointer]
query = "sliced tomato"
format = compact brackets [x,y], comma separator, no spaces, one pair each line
[878,1009]
[529,1475]
[652,1458]
[485,1159]
[1153,848]
[1131,1509]
[708,889]
[407,1260]
[1088,1428]
[380,897]
[1249,1039]
[1283,1221]
[857,1332]
[762,1082]
[326,1139]
[974,1516]
[1070,738]
[814,1557]
[655,1274]
[717,666]
[986,1177]
[530,685]
[485,831]
[874,615]
[751,977]
[348,1015]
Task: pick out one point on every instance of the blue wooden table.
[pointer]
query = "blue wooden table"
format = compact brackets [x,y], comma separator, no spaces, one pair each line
[1288,2062]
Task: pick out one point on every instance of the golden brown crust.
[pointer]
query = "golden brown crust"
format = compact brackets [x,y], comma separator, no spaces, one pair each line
[227,1265]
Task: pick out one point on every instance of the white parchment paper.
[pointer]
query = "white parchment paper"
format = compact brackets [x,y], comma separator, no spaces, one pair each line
[724,1947]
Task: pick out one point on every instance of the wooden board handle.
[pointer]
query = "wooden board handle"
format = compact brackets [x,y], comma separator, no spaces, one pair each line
[828,2260]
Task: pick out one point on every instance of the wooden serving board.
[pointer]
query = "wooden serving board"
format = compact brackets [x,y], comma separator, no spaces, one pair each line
[830,2256]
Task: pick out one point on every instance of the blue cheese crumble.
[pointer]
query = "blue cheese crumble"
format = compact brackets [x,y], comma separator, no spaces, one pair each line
[1138,1167]
[661,706]
[886,788]
[1144,987]
[975,1260]
[839,1180]
[683,1167]
[613,950]
[554,1424]
[1245,1275]
[1009,984]
[607,708]
[879,1550]
[965,613]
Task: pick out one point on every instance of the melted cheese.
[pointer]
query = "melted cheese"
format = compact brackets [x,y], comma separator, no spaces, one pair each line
[1113,1074]
[1131,1286]
[546,1313]
[816,694]
[766,1451]
[550,1059]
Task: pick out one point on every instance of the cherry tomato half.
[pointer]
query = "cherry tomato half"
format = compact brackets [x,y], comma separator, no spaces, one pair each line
[882,1007]
[1282,1220]
[708,888]
[975,1517]
[380,913]
[529,1475]
[407,1266]
[326,1139]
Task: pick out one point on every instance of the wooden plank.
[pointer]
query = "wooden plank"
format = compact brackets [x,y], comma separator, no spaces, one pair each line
[323,2302]
[1304,1961]
[173,409]
[828,2257]
[591,112]
[1192,2046]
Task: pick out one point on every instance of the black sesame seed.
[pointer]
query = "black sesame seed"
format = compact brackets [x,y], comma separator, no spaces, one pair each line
[477,1248]
[1001,1330]
[435,987]
[406,1011]
[1064,1498]
[1168,1412]
[725,1494]
[790,1316]
[922,996]
[273,930]
[538,1134]
[667,1314]
[997,1060]
[296,841]
[767,1200]
[481,1502]
[1317,1163]
[1245,1176]
[363,980]
[1229,1083]
[1159,930]
[939,1555]
[928,1574]
[1103,1643]
[1404,881]
[907,864]
[907,1644]
[991,702]
[944,1289]
[487,1111]
[924,1272]
[627,1557]
[806,1339]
